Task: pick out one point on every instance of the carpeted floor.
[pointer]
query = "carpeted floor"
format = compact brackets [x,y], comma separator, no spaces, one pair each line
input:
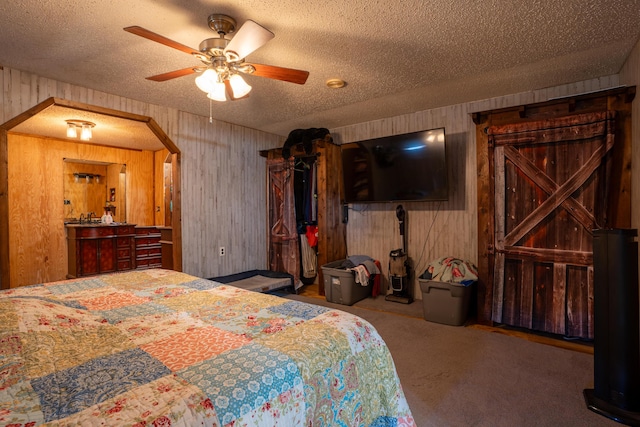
[469,376]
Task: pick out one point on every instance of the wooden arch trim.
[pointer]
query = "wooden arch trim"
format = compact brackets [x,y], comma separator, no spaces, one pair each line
[4,174]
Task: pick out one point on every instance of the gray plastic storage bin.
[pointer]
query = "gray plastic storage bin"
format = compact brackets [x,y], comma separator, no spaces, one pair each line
[445,302]
[340,286]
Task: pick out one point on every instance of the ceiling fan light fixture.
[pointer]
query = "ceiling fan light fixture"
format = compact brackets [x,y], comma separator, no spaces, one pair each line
[218,92]
[239,87]
[206,80]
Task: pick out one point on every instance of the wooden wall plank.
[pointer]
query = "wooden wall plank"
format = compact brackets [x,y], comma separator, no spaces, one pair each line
[500,282]
[579,303]
[510,300]
[527,294]
[556,320]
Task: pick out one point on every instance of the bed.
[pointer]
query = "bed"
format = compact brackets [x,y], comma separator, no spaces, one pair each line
[162,348]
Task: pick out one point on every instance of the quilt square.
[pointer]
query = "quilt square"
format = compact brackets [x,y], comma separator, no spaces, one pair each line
[46,352]
[120,314]
[146,279]
[191,302]
[241,380]
[201,284]
[167,401]
[187,348]
[253,323]
[360,333]
[76,285]
[69,391]
[162,292]
[37,314]
[314,346]
[151,328]
[113,300]
[299,309]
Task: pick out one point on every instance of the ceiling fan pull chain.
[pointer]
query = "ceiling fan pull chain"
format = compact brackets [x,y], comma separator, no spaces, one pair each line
[210,111]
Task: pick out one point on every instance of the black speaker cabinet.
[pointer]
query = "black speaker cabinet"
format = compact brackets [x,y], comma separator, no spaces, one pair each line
[616,352]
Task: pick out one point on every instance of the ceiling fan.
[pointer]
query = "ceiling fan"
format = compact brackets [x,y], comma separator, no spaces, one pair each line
[223,58]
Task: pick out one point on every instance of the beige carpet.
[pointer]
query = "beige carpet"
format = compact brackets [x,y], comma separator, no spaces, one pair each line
[466,376]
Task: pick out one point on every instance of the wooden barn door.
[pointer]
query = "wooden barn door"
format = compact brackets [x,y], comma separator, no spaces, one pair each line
[550,190]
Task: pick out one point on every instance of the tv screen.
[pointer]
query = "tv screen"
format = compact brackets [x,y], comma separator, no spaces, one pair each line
[411,166]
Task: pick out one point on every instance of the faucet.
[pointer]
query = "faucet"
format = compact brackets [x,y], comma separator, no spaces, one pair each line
[89,216]
[81,217]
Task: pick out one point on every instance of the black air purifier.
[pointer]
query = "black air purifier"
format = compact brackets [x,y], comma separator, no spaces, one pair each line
[616,353]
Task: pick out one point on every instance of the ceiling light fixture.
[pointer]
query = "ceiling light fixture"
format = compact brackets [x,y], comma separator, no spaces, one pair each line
[85,129]
[213,83]
[72,132]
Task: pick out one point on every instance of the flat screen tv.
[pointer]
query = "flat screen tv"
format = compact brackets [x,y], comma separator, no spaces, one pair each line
[407,167]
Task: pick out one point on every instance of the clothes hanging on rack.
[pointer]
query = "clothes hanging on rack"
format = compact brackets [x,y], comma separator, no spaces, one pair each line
[305,195]
[305,188]
[309,258]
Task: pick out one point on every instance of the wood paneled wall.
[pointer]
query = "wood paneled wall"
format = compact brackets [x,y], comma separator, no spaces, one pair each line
[224,196]
[437,229]
[222,175]
[36,193]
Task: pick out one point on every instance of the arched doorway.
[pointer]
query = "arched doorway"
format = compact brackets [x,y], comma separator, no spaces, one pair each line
[145,122]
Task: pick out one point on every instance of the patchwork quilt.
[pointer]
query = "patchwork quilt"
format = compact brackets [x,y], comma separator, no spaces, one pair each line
[163,348]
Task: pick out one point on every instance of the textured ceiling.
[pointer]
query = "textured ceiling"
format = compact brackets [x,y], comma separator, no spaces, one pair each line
[396,56]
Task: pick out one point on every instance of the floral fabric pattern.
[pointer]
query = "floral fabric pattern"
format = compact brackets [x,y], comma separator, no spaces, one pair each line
[163,348]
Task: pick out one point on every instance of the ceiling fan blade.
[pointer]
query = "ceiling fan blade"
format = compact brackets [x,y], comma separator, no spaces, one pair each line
[174,74]
[280,73]
[139,31]
[248,38]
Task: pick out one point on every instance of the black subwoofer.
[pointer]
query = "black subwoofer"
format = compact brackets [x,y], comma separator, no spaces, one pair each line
[616,353]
